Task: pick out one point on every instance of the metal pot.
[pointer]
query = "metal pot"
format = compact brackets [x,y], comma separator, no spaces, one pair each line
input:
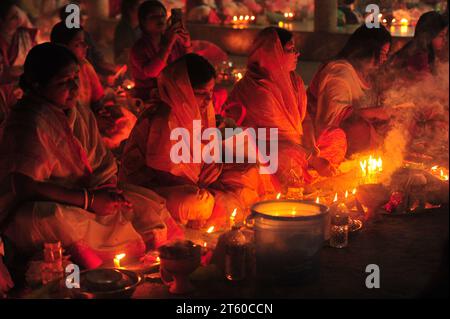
[288,237]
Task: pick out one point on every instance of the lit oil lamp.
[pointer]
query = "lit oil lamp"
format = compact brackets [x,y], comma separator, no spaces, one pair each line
[233,218]
[117,260]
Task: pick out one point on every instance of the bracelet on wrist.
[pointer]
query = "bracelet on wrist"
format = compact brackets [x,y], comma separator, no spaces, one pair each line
[86,199]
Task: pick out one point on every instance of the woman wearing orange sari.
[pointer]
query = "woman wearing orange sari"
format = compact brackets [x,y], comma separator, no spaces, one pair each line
[273,96]
[195,192]
[58,182]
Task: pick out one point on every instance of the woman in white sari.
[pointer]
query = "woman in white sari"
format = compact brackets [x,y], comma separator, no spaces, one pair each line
[58,181]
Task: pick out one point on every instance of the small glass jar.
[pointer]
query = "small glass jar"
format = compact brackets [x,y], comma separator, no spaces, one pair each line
[236,250]
[52,268]
[339,230]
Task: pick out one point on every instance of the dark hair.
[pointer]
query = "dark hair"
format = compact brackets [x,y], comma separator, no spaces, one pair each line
[61,34]
[365,43]
[199,69]
[43,62]
[430,24]
[126,7]
[5,6]
[146,7]
[284,35]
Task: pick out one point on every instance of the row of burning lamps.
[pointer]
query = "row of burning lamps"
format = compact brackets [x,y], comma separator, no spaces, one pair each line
[370,169]
[242,20]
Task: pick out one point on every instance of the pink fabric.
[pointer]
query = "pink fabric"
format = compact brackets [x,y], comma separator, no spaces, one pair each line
[144,73]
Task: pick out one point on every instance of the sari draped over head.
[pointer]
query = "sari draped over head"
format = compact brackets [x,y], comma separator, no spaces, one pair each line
[45,143]
[272,95]
[14,53]
[176,91]
[193,191]
[334,93]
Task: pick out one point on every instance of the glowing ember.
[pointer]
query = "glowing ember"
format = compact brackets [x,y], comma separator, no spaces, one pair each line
[440,172]
[210,230]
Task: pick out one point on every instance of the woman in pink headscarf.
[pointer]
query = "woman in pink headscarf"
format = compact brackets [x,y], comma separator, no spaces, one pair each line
[273,96]
[195,192]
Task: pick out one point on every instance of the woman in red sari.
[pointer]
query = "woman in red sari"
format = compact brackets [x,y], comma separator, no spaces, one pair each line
[274,96]
[161,43]
[195,192]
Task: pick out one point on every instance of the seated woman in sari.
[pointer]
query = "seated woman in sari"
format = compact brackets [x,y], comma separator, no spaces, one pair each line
[161,43]
[273,96]
[115,123]
[15,41]
[58,181]
[195,192]
[338,96]
[418,58]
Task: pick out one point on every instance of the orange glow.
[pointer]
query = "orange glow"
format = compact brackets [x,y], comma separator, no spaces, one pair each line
[117,260]
[317,200]
[158,260]
[346,194]
[354,191]
[404,22]
[335,198]
[233,215]
[210,230]
[278,196]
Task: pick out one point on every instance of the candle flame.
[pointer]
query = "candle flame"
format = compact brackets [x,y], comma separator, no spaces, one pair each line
[241,18]
[210,230]
[286,14]
[247,18]
[235,18]
[279,196]
[253,18]
[434,168]
[404,21]
[205,244]
[317,200]
[335,198]
[233,215]
[158,260]
[120,257]
[354,191]
[346,194]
